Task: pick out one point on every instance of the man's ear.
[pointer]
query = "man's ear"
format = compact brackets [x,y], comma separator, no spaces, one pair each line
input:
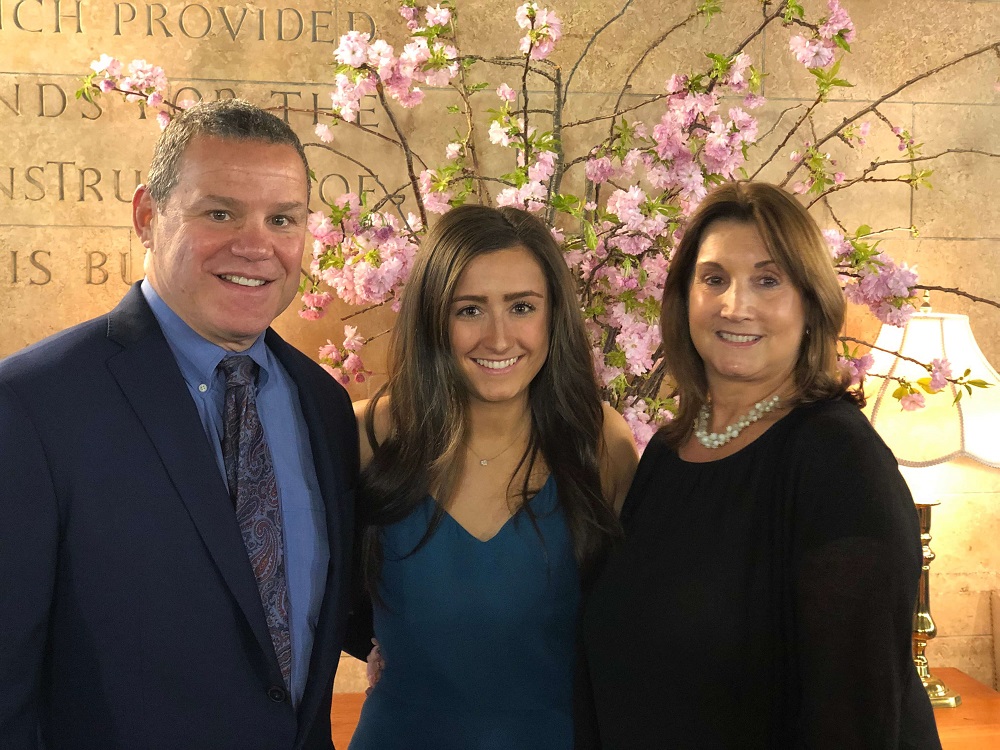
[143,211]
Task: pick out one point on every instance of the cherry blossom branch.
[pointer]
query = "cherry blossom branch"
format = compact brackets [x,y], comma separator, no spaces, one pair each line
[470,138]
[875,165]
[784,141]
[407,154]
[648,51]
[617,113]
[880,349]
[590,44]
[958,293]
[513,62]
[993,46]
[363,310]
[356,125]
[351,159]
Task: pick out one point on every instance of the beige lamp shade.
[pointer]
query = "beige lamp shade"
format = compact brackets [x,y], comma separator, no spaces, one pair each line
[943,430]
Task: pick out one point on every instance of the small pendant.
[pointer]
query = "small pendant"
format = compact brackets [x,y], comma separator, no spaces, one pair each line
[482,462]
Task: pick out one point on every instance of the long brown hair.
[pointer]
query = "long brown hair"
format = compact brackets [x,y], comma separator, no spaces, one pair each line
[428,401]
[796,245]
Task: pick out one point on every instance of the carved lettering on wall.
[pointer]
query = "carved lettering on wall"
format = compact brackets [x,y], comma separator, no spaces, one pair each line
[195,21]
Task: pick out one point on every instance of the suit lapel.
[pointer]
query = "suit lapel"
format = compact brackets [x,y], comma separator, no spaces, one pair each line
[152,383]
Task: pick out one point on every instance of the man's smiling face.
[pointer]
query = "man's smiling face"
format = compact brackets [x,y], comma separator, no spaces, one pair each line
[226,245]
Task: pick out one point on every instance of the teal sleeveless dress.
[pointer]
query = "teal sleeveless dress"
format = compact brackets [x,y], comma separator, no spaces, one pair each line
[478,637]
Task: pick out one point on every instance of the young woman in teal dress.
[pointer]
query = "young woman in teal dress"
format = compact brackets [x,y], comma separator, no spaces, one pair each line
[491,482]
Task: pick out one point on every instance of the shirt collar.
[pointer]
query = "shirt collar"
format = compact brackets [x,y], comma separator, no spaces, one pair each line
[197,357]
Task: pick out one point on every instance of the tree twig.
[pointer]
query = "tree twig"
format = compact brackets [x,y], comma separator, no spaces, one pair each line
[590,44]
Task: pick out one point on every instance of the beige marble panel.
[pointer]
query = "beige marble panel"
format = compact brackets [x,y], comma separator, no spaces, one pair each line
[48,277]
[972,654]
[351,676]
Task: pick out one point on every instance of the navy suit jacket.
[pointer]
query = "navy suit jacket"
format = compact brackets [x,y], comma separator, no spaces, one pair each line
[129,613]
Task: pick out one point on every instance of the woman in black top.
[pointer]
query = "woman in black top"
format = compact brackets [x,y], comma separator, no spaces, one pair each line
[764,595]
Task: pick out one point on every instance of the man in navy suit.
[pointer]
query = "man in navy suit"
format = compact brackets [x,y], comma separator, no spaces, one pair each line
[130,615]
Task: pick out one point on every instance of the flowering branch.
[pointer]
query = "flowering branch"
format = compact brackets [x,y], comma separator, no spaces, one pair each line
[639,184]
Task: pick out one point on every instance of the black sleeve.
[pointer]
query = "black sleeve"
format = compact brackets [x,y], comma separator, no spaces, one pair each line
[856,563]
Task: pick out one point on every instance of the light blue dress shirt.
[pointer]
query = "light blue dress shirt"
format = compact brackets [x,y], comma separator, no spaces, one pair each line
[303,515]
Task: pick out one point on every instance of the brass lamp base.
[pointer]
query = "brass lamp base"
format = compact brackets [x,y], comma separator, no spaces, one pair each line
[941,696]
[923,624]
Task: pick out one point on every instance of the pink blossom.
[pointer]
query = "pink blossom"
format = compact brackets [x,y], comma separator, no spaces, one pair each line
[838,22]
[858,367]
[353,363]
[543,167]
[106,85]
[839,246]
[352,341]
[599,169]
[324,133]
[813,53]
[676,83]
[319,300]
[940,372]
[736,78]
[525,14]
[753,101]
[309,313]
[912,401]
[838,178]
[625,205]
[107,65]
[437,203]
[329,352]
[438,16]
[453,150]
[499,134]
[353,49]
[506,93]
[162,119]
[692,182]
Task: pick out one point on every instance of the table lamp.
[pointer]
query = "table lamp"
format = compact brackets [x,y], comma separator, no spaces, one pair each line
[942,431]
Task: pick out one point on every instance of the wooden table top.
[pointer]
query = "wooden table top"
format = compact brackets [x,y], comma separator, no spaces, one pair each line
[975,725]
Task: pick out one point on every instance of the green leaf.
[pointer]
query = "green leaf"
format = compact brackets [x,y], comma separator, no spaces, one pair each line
[980,383]
[903,390]
[454,109]
[793,10]
[477,87]
[589,236]
[958,397]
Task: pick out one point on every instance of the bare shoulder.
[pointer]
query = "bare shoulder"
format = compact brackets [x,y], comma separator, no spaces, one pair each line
[619,457]
[381,425]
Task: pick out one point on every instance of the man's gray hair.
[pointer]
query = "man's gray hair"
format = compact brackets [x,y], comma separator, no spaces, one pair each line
[229,119]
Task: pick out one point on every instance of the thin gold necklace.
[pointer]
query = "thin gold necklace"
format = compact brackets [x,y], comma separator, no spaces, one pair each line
[486,461]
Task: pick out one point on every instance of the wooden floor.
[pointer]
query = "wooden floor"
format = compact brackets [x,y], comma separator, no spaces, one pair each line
[975,725]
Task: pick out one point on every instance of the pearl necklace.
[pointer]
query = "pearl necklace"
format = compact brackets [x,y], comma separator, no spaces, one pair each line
[718,439]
